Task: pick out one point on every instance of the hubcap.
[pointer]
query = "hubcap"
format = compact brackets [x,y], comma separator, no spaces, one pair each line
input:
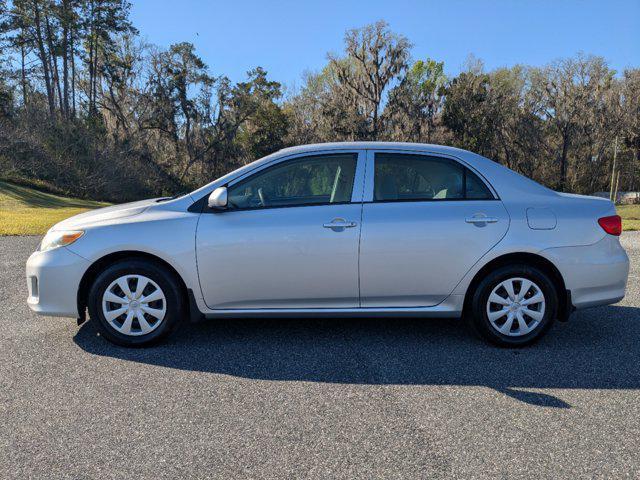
[134,305]
[515,307]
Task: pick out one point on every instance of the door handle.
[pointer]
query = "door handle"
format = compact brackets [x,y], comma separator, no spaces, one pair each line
[339,223]
[479,219]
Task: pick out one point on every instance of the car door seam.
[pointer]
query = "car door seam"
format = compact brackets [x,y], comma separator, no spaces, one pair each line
[195,247]
[364,182]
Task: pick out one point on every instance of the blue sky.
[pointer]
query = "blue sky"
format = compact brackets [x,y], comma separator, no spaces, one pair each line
[288,37]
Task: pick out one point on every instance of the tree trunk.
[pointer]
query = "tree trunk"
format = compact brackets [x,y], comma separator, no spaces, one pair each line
[23,73]
[65,56]
[54,61]
[375,122]
[634,178]
[95,76]
[91,54]
[73,74]
[90,72]
[563,162]
[44,58]
[431,115]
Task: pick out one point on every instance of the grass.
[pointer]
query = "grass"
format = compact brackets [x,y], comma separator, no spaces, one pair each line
[630,216]
[25,211]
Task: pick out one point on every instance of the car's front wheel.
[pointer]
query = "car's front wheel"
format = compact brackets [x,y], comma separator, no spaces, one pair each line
[135,302]
[514,305]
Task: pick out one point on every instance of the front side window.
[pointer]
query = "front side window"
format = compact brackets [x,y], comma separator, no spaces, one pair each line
[423,177]
[312,180]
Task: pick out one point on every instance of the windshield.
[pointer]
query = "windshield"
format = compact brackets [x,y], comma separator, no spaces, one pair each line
[244,169]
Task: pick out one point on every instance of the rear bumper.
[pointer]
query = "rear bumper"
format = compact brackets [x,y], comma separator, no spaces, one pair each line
[53,278]
[595,274]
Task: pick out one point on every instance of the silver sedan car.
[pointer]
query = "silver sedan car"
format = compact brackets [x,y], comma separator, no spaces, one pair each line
[345,229]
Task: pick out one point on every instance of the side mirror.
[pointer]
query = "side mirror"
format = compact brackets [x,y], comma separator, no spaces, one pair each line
[218,198]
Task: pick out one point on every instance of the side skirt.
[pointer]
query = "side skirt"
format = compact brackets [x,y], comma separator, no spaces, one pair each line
[451,307]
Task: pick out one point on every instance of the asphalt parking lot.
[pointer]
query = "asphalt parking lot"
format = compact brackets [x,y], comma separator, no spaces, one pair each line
[401,398]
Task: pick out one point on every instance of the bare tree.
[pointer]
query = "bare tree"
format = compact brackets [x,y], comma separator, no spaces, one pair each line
[375,57]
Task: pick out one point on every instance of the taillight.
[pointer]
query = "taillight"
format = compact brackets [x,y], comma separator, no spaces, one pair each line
[612,225]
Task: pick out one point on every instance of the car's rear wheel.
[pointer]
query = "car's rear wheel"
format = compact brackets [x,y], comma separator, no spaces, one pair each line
[514,305]
[135,302]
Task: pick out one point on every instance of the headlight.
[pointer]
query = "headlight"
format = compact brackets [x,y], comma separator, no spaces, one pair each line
[59,239]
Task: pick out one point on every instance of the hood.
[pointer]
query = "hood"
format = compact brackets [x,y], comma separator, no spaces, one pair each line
[104,214]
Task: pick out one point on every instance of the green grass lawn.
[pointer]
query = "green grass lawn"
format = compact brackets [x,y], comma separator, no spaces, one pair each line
[630,216]
[25,211]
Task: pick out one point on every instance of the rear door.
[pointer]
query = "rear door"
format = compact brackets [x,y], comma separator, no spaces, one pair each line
[426,221]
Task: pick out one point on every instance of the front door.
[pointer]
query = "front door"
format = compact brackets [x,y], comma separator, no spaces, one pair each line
[288,239]
[427,221]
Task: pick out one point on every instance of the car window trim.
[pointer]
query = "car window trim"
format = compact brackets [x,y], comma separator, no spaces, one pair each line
[274,207]
[433,200]
[356,196]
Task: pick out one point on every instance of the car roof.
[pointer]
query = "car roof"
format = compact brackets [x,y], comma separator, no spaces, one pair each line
[374,146]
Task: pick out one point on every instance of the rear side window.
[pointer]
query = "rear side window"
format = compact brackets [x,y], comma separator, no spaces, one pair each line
[421,177]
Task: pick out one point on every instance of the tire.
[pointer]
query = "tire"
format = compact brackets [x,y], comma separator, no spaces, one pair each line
[151,321]
[537,308]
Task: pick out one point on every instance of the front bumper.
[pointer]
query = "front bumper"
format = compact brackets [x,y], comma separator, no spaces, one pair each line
[595,274]
[53,278]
